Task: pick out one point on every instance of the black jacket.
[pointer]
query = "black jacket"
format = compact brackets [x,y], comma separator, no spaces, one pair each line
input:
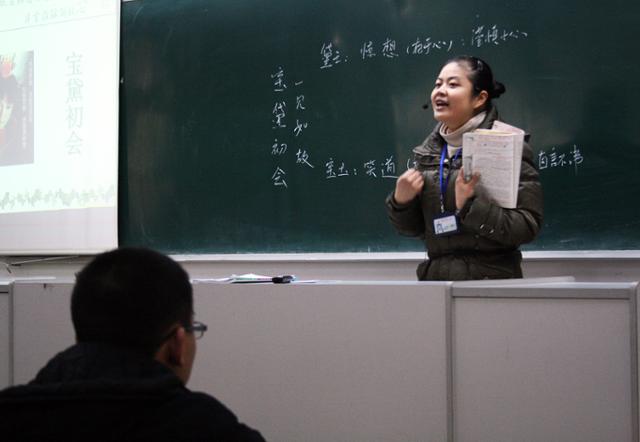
[487,245]
[95,392]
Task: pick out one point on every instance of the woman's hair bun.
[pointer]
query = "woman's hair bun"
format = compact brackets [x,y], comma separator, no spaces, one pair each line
[498,89]
[480,75]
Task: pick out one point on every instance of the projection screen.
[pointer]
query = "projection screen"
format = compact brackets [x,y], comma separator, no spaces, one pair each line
[59,71]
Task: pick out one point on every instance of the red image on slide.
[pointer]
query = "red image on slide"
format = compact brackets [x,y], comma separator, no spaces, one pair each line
[16,108]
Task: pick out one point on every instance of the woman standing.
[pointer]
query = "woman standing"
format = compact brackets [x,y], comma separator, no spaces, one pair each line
[485,244]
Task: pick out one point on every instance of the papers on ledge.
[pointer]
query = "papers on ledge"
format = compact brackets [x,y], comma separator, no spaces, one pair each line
[246,278]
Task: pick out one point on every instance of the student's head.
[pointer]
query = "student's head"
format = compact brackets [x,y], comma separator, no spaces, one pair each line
[465,87]
[139,299]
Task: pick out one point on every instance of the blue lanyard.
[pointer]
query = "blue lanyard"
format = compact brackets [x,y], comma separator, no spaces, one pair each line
[443,183]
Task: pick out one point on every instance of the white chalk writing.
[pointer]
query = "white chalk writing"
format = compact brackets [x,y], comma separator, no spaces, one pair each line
[481,36]
[557,158]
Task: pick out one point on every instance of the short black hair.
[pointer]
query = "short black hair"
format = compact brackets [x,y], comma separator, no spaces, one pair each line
[480,76]
[130,297]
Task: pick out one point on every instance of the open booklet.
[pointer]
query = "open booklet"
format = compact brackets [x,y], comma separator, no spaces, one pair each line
[496,154]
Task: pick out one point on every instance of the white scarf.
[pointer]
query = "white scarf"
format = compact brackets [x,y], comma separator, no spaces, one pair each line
[454,138]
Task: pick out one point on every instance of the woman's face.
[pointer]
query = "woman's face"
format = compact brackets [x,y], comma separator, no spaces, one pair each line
[452,97]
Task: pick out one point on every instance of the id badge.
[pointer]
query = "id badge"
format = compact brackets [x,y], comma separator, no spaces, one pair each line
[445,224]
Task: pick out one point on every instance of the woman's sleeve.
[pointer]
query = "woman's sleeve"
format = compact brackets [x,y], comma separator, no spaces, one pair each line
[510,227]
[407,219]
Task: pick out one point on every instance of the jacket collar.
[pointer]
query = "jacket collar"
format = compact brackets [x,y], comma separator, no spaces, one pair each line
[97,369]
[434,143]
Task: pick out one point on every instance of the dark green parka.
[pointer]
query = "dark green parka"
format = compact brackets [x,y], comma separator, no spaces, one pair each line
[487,245]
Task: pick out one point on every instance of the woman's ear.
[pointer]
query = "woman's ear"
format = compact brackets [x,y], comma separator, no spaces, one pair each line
[480,100]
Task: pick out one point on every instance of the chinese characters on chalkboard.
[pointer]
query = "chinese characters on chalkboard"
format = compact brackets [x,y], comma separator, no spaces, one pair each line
[554,158]
[289,122]
[279,124]
[289,117]
[332,56]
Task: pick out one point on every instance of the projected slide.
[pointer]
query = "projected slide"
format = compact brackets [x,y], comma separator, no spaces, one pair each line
[58,125]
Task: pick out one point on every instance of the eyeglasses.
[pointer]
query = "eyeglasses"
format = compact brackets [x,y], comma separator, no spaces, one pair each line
[197,328]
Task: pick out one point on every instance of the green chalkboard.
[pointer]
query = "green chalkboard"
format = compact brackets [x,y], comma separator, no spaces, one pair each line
[252,126]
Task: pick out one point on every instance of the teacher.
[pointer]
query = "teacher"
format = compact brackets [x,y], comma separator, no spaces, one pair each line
[466,235]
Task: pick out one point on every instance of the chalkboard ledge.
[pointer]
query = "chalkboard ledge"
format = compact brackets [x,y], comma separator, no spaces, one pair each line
[581,254]
[397,256]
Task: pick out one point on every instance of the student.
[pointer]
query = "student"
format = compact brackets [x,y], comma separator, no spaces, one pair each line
[124,379]
[486,244]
